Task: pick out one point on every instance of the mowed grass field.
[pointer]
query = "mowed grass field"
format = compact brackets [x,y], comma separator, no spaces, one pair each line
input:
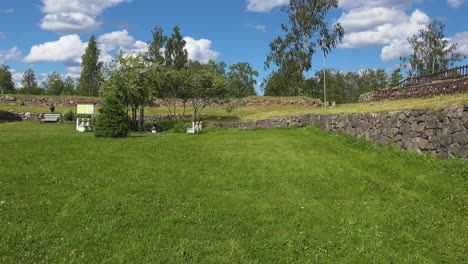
[260,196]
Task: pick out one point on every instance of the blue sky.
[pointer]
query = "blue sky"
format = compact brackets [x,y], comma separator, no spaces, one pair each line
[50,35]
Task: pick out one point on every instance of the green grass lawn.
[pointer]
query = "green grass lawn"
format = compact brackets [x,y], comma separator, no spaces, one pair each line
[260,196]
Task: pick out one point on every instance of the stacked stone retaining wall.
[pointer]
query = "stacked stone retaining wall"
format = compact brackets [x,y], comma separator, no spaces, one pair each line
[442,132]
[64,101]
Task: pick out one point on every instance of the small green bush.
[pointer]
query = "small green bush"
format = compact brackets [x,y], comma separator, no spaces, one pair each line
[180,127]
[113,121]
[68,116]
[148,126]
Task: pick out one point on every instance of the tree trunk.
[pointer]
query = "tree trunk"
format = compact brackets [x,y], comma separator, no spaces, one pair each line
[142,119]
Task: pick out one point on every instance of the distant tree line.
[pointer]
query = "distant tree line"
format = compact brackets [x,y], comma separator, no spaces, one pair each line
[342,87]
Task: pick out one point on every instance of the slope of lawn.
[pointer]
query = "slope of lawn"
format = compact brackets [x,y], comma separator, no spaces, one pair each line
[255,112]
[261,196]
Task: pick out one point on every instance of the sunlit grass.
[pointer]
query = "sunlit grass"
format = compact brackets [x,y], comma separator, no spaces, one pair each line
[255,112]
[264,196]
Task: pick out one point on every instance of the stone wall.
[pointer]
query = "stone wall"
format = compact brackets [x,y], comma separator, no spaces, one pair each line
[64,101]
[19,116]
[435,88]
[442,132]
[36,101]
[366,98]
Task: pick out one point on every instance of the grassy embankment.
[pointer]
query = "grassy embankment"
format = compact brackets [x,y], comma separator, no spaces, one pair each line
[255,112]
[264,196]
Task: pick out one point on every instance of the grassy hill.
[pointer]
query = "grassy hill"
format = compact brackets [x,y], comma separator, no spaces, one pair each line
[255,112]
[265,196]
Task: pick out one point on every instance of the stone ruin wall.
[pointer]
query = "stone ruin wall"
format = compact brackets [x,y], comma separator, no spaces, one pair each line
[64,101]
[442,132]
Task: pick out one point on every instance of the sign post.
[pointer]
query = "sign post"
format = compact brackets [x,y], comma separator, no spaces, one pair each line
[85,118]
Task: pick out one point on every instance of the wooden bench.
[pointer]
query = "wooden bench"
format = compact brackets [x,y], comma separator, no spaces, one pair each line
[51,118]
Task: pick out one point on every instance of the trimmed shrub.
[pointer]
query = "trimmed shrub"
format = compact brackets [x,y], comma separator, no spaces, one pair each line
[113,121]
[69,116]
[180,127]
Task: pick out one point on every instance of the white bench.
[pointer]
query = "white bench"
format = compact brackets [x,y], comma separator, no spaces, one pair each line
[51,118]
[196,128]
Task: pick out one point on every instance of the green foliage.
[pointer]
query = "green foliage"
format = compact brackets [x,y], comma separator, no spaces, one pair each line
[264,196]
[241,80]
[175,54]
[29,80]
[345,87]
[180,127]
[170,126]
[112,122]
[69,115]
[431,51]
[6,80]
[218,68]
[132,81]
[91,75]
[283,83]
[395,78]
[306,33]
[229,107]
[53,84]
[156,45]
[206,85]
[69,86]
[33,90]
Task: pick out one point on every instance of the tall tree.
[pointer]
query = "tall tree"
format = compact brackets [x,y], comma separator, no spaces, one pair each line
[29,83]
[112,122]
[218,68]
[6,80]
[306,33]
[286,81]
[241,80]
[53,84]
[431,51]
[29,79]
[370,80]
[69,86]
[156,46]
[395,78]
[130,83]
[205,85]
[91,77]
[175,54]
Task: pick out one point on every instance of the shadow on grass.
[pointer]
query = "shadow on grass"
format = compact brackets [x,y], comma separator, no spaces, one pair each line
[221,119]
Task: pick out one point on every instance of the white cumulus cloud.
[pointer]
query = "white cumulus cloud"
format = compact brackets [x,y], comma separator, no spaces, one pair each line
[74,16]
[67,50]
[461,39]
[383,33]
[376,3]
[69,23]
[395,50]
[264,5]
[9,55]
[119,40]
[360,19]
[455,3]
[200,50]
